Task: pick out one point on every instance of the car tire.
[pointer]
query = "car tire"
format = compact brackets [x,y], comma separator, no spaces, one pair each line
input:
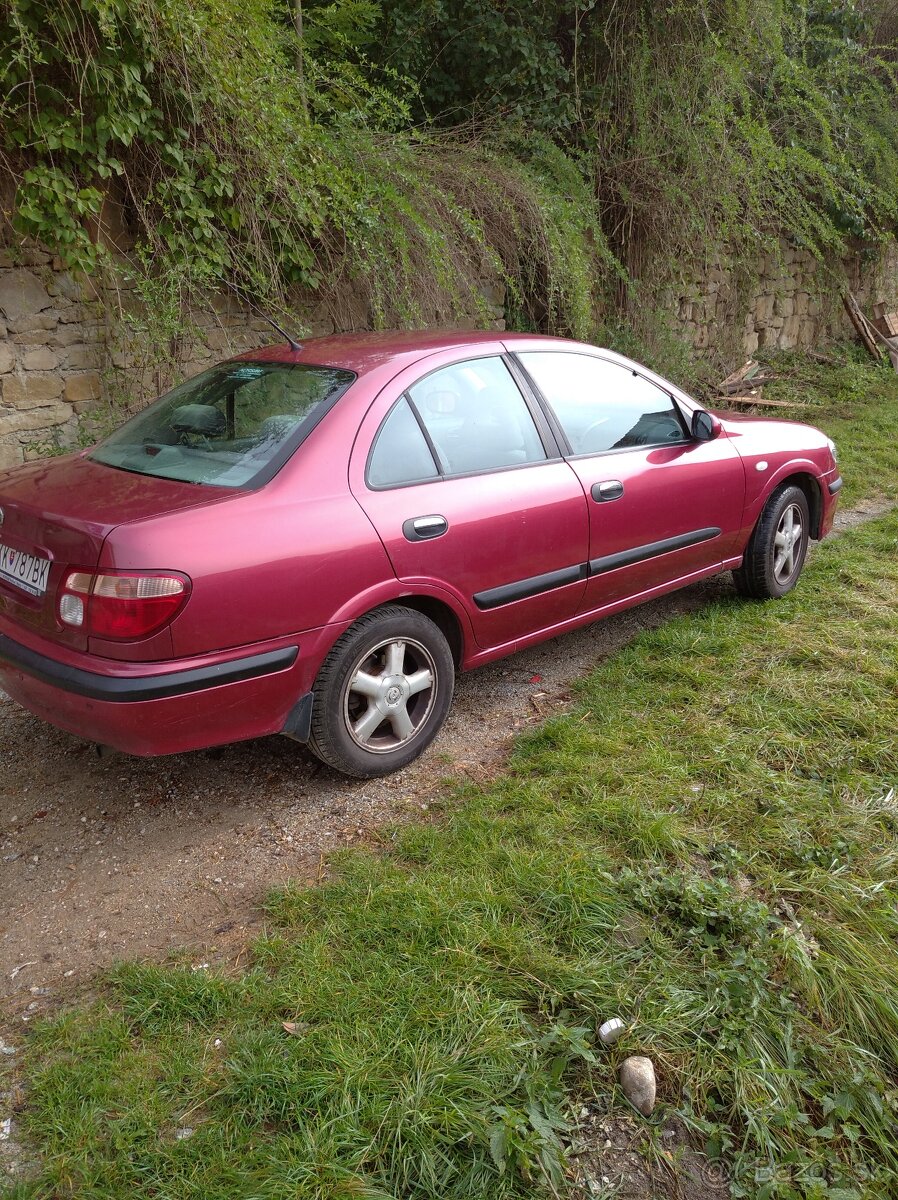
[777,548]
[393,664]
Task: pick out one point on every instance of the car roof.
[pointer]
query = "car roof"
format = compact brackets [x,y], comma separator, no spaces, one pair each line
[362,352]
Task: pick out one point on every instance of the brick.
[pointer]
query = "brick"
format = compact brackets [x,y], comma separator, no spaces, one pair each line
[30,390]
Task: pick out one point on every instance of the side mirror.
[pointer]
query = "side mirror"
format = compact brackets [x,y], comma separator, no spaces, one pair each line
[705,426]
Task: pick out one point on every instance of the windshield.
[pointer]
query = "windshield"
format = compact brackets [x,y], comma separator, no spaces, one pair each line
[233,426]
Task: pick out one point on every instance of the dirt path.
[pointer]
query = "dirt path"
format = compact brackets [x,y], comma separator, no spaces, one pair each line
[102,858]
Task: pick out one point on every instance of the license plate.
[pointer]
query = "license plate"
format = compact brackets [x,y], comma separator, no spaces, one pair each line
[27,571]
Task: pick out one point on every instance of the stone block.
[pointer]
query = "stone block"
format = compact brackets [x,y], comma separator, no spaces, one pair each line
[72,287]
[801,303]
[22,294]
[86,386]
[750,342]
[7,357]
[11,455]
[788,338]
[219,339]
[34,321]
[784,306]
[44,416]
[41,358]
[494,293]
[763,309]
[84,356]
[66,335]
[74,312]
[31,256]
[807,334]
[28,391]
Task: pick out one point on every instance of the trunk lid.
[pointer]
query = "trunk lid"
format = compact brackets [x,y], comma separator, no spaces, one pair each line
[62,509]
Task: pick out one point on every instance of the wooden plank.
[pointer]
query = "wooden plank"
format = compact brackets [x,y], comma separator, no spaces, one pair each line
[861,325]
[746,400]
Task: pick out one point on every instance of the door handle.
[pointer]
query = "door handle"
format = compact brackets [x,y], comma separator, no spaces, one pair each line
[608,489]
[422,529]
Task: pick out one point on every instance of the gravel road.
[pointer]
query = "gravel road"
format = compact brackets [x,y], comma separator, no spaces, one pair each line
[102,858]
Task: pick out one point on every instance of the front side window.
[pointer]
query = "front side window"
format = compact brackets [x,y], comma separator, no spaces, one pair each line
[476,418]
[601,405]
[233,426]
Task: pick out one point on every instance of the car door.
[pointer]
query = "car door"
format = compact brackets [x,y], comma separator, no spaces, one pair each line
[463,481]
[663,507]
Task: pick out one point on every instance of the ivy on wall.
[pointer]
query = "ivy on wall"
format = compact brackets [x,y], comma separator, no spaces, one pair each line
[579,151]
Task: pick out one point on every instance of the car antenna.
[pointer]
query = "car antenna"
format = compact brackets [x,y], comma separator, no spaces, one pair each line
[291,342]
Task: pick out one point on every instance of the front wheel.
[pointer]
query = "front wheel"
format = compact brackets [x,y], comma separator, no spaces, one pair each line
[382,694]
[777,548]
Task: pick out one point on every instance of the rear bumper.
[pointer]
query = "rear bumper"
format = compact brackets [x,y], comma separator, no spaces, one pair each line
[118,690]
[160,711]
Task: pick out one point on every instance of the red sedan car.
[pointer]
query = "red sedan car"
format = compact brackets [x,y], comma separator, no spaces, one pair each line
[312,541]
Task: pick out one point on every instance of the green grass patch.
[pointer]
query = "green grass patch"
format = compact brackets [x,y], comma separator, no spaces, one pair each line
[706,846]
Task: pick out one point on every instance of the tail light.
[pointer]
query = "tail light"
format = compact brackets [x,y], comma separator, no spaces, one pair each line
[120,606]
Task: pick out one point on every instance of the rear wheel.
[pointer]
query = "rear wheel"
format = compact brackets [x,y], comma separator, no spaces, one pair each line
[382,694]
[778,546]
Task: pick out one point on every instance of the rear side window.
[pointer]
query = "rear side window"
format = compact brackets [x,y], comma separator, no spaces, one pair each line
[601,405]
[233,426]
[476,417]
[400,453]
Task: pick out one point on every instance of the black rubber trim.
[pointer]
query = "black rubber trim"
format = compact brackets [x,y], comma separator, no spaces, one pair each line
[626,558]
[142,687]
[525,588]
[298,725]
[835,486]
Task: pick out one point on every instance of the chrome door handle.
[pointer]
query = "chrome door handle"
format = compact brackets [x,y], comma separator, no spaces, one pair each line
[422,529]
[608,489]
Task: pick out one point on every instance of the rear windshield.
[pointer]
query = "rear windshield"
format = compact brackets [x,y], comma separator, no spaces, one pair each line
[233,426]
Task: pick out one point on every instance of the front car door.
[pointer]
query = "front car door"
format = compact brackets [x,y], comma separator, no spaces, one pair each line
[464,482]
[663,507]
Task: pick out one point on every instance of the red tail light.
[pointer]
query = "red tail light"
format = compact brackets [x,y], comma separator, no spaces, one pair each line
[120,606]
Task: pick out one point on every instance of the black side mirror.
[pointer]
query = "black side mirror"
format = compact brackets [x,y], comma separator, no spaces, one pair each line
[705,426]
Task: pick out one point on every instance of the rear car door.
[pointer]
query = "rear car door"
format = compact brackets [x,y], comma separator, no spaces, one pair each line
[662,506]
[463,481]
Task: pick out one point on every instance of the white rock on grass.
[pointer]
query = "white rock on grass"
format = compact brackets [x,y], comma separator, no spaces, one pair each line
[637,1080]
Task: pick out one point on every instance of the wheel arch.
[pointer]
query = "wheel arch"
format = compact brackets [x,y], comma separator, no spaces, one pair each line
[813,494]
[443,616]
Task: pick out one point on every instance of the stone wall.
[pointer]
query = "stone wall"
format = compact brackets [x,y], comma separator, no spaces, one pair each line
[789,300]
[74,356]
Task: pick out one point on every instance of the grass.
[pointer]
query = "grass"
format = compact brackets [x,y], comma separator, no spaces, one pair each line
[707,846]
